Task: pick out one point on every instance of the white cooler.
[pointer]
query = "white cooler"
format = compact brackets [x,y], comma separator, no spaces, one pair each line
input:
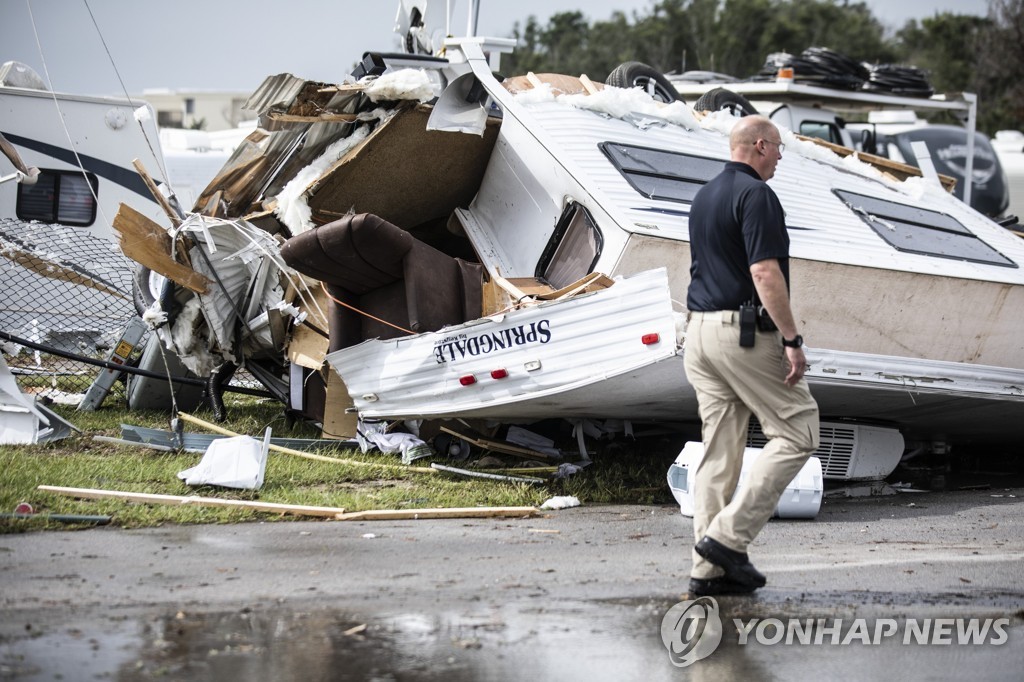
[801,499]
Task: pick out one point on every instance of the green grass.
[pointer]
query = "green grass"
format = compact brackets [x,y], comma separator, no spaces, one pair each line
[631,475]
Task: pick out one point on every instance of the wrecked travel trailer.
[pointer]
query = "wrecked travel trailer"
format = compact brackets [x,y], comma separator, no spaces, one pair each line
[456,245]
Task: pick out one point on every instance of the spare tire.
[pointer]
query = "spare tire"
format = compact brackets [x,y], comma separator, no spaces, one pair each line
[720,98]
[647,78]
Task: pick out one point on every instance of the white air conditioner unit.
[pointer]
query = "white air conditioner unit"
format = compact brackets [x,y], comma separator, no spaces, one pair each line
[849,452]
[800,500]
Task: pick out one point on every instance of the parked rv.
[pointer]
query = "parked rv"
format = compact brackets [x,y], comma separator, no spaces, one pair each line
[64,281]
[891,128]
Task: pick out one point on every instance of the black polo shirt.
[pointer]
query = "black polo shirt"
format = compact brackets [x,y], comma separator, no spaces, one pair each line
[735,221]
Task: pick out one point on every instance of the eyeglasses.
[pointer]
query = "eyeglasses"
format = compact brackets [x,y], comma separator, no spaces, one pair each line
[780,145]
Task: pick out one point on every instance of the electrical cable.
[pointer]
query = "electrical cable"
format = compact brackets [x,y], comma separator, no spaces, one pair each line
[106,364]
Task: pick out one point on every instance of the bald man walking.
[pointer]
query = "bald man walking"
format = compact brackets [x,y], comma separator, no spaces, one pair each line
[740,259]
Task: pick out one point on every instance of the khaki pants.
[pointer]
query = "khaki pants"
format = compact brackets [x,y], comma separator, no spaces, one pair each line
[731,383]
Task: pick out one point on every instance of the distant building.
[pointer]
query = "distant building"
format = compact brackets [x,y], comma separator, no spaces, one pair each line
[206,109]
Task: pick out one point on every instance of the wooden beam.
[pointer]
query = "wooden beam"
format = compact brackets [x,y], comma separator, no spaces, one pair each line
[337,513]
[440,513]
[146,242]
[497,445]
[322,118]
[178,500]
[158,196]
[592,282]
[588,84]
[11,153]
[893,169]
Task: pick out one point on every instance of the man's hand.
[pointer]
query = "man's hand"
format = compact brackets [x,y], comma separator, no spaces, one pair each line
[797,365]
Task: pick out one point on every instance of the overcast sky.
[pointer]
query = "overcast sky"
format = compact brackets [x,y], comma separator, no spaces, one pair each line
[234,44]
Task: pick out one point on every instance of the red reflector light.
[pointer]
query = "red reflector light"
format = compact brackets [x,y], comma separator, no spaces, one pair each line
[499,373]
[648,339]
[467,380]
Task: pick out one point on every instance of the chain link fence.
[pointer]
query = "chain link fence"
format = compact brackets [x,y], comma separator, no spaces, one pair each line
[66,289]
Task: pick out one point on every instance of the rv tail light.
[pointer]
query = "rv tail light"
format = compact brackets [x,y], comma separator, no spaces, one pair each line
[648,339]
[499,373]
[467,380]
[532,365]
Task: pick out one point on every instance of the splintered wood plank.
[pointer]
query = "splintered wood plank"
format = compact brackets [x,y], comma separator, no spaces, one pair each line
[503,447]
[177,500]
[592,282]
[439,513]
[588,84]
[158,196]
[530,286]
[893,169]
[146,242]
[321,118]
[560,84]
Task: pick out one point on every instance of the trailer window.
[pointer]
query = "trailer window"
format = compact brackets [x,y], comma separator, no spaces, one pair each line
[62,197]
[659,174]
[918,230]
[573,248]
[821,130]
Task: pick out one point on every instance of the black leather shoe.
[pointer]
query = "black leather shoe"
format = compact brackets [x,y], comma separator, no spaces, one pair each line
[700,587]
[736,565]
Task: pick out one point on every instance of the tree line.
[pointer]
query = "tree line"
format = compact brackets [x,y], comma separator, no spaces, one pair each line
[979,54]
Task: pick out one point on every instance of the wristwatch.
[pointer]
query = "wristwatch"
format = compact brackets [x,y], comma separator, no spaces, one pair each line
[796,342]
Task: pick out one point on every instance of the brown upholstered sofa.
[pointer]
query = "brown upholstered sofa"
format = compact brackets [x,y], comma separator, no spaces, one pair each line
[383,270]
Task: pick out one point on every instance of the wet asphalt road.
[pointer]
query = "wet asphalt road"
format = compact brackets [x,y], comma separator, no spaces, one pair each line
[574,594]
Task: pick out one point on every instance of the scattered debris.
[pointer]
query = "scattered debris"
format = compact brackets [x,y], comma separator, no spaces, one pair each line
[561,502]
[566,469]
[22,420]
[503,447]
[307,455]
[160,439]
[374,434]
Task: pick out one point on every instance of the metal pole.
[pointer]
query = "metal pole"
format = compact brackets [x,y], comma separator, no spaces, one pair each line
[972,122]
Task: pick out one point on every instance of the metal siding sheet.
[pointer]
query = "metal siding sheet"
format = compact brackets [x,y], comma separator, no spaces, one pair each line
[584,348]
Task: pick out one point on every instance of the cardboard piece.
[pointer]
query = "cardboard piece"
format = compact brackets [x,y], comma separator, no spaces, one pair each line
[338,422]
[376,176]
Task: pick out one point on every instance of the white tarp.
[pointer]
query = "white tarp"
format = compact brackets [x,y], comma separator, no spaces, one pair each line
[236,462]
